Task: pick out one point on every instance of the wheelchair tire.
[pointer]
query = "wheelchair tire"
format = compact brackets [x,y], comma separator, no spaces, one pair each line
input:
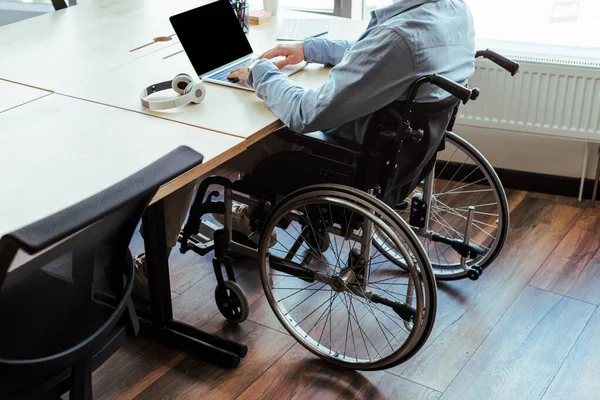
[444,260]
[232,302]
[361,293]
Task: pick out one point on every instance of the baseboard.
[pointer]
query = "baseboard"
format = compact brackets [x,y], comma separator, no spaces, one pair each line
[522,180]
[543,183]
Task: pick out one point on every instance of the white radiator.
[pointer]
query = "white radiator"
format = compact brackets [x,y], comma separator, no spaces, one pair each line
[548,96]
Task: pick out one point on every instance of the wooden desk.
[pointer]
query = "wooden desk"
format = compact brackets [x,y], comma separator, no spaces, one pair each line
[13,95]
[79,42]
[225,109]
[57,150]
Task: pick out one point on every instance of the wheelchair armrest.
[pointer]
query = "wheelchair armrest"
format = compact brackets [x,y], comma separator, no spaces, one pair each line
[335,147]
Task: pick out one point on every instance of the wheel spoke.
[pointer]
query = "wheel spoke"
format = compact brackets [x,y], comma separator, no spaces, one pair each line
[287,297]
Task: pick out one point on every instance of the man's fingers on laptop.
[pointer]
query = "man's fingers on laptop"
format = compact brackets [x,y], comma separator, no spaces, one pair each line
[238,74]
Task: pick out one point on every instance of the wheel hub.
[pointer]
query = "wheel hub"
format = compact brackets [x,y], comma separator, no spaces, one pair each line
[338,284]
[341,281]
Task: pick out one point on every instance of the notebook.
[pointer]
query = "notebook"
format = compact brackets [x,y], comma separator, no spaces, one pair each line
[299,29]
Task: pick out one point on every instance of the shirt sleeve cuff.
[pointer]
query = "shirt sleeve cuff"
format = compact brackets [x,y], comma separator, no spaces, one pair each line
[313,49]
[259,70]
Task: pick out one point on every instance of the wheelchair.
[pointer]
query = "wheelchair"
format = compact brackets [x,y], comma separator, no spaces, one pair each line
[359,229]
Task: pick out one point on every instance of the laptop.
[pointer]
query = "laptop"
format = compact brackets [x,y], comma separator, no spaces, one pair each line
[215,43]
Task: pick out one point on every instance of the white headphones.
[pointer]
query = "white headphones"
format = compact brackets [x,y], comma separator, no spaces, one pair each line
[192,92]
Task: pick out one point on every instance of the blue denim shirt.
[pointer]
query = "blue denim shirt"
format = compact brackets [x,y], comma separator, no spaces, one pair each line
[402,42]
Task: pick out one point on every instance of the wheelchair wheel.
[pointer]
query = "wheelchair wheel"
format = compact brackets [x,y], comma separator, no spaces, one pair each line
[232,302]
[345,302]
[463,178]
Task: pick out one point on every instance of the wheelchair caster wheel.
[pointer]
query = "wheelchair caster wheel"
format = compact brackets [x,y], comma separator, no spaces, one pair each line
[474,273]
[232,302]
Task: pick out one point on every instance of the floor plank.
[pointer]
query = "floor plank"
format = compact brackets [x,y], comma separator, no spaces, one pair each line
[573,269]
[194,379]
[520,357]
[133,368]
[578,376]
[537,226]
[383,385]
[261,312]
[300,375]
[288,377]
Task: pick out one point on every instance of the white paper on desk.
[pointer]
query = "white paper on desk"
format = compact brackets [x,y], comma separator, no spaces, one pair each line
[299,29]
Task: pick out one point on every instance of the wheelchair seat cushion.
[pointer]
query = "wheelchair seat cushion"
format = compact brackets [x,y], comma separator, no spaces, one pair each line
[322,143]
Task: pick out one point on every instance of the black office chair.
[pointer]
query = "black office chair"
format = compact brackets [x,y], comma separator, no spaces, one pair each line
[64,312]
[61,4]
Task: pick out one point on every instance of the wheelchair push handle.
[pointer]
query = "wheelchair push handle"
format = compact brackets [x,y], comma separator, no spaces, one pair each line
[504,62]
[457,90]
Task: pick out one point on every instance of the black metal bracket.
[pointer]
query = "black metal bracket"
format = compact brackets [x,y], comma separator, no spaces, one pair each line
[418,212]
[221,259]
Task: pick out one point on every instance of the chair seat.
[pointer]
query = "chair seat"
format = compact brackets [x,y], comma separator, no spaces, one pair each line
[347,145]
[319,142]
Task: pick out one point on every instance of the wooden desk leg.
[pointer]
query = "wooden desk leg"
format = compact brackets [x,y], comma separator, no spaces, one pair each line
[157,261]
[595,192]
[177,334]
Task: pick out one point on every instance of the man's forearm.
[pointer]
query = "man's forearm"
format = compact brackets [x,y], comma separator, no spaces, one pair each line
[348,92]
[325,51]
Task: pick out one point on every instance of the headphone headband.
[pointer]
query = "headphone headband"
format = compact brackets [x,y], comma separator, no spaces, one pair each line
[193,92]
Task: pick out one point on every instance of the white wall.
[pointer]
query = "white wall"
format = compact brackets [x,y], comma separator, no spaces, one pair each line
[531,153]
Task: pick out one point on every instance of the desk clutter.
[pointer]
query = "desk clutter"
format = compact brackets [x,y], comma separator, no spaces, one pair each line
[260,17]
[241,8]
[246,17]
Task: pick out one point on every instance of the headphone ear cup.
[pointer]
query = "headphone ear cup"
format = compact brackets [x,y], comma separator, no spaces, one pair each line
[196,91]
[181,82]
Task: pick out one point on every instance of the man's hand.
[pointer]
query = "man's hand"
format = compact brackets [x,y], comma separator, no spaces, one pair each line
[293,53]
[238,75]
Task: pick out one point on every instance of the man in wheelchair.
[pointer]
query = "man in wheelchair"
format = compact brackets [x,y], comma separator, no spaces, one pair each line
[368,133]
[408,40]
[405,41]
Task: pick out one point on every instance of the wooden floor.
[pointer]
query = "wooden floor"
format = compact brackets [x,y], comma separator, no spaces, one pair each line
[528,329]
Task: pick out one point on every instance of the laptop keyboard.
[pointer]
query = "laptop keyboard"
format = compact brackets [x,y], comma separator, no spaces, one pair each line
[222,76]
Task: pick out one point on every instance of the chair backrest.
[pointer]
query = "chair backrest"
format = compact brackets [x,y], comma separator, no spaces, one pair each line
[52,308]
[390,155]
[62,4]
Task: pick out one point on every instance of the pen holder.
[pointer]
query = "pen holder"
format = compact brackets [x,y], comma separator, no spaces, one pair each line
[241,9]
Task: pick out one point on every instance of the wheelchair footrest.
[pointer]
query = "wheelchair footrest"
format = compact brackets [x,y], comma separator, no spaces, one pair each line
[202,242]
